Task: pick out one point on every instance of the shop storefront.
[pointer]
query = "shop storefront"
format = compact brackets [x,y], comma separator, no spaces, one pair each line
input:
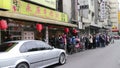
[26,30]
[22,18]
[18,30]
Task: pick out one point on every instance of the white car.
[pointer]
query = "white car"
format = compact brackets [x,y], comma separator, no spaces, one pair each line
[29,54]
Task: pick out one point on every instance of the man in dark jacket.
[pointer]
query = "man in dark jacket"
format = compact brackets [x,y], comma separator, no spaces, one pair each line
[52,41]
[102,40]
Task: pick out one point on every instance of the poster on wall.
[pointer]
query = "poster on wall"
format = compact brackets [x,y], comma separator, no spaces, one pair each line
[28,35]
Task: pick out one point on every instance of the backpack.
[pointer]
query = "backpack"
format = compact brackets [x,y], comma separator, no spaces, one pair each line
[73,41]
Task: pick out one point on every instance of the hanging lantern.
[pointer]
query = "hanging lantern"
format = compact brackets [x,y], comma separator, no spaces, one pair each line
[66,30]
[3,25]
[74,31]
[39,27]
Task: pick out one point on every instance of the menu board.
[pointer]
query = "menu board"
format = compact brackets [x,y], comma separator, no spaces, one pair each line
[28,35]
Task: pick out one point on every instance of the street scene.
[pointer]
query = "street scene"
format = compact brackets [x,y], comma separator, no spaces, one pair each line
[59,33]
[107,57]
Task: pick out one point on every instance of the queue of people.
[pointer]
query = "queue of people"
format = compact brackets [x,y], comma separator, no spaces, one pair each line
[73,44]
[98,40]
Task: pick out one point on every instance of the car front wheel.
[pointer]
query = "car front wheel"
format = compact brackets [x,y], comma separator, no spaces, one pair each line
[62,59]
[22,65]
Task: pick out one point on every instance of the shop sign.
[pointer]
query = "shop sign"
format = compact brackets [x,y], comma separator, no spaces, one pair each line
[5,4]
[119,17]
[28,35]
[21,7]
[80,25]
[34,10]
[114,29]
[48,3]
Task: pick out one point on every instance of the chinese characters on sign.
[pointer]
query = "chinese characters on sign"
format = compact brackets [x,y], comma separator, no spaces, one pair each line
[34,10]
[16,5]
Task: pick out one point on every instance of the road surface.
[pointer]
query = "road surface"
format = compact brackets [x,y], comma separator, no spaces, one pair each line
[107,57]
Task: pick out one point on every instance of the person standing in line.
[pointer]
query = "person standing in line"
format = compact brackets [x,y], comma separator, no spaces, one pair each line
[8,38]
[86,42]
[102,41]
[65,41]
[97,40]
[73,43]
[69,44]
[77,45]
[91,41]
[61,42]
[83,41]
[52,41]
[57,41]
[94,41]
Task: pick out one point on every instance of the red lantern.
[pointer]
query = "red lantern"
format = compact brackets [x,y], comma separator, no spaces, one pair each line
[39,27]
[74,31]
[3,24]
[66,30]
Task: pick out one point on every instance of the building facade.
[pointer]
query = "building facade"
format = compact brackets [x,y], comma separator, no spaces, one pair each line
[23,15]
[114,12]
[114,5]
[89,15]
[119,20]
[104,15]
[67,8]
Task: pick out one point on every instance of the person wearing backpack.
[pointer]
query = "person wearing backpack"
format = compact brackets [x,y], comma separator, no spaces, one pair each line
[69,45]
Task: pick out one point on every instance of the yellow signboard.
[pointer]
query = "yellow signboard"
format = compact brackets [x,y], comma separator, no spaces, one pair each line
[119,17]
[34,10]
[114,27]
[48,3]
[5,4]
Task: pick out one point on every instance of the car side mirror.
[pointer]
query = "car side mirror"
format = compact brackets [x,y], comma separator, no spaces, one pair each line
[52,48]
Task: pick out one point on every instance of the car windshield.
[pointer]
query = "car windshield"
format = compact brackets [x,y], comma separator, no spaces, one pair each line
[7,46]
